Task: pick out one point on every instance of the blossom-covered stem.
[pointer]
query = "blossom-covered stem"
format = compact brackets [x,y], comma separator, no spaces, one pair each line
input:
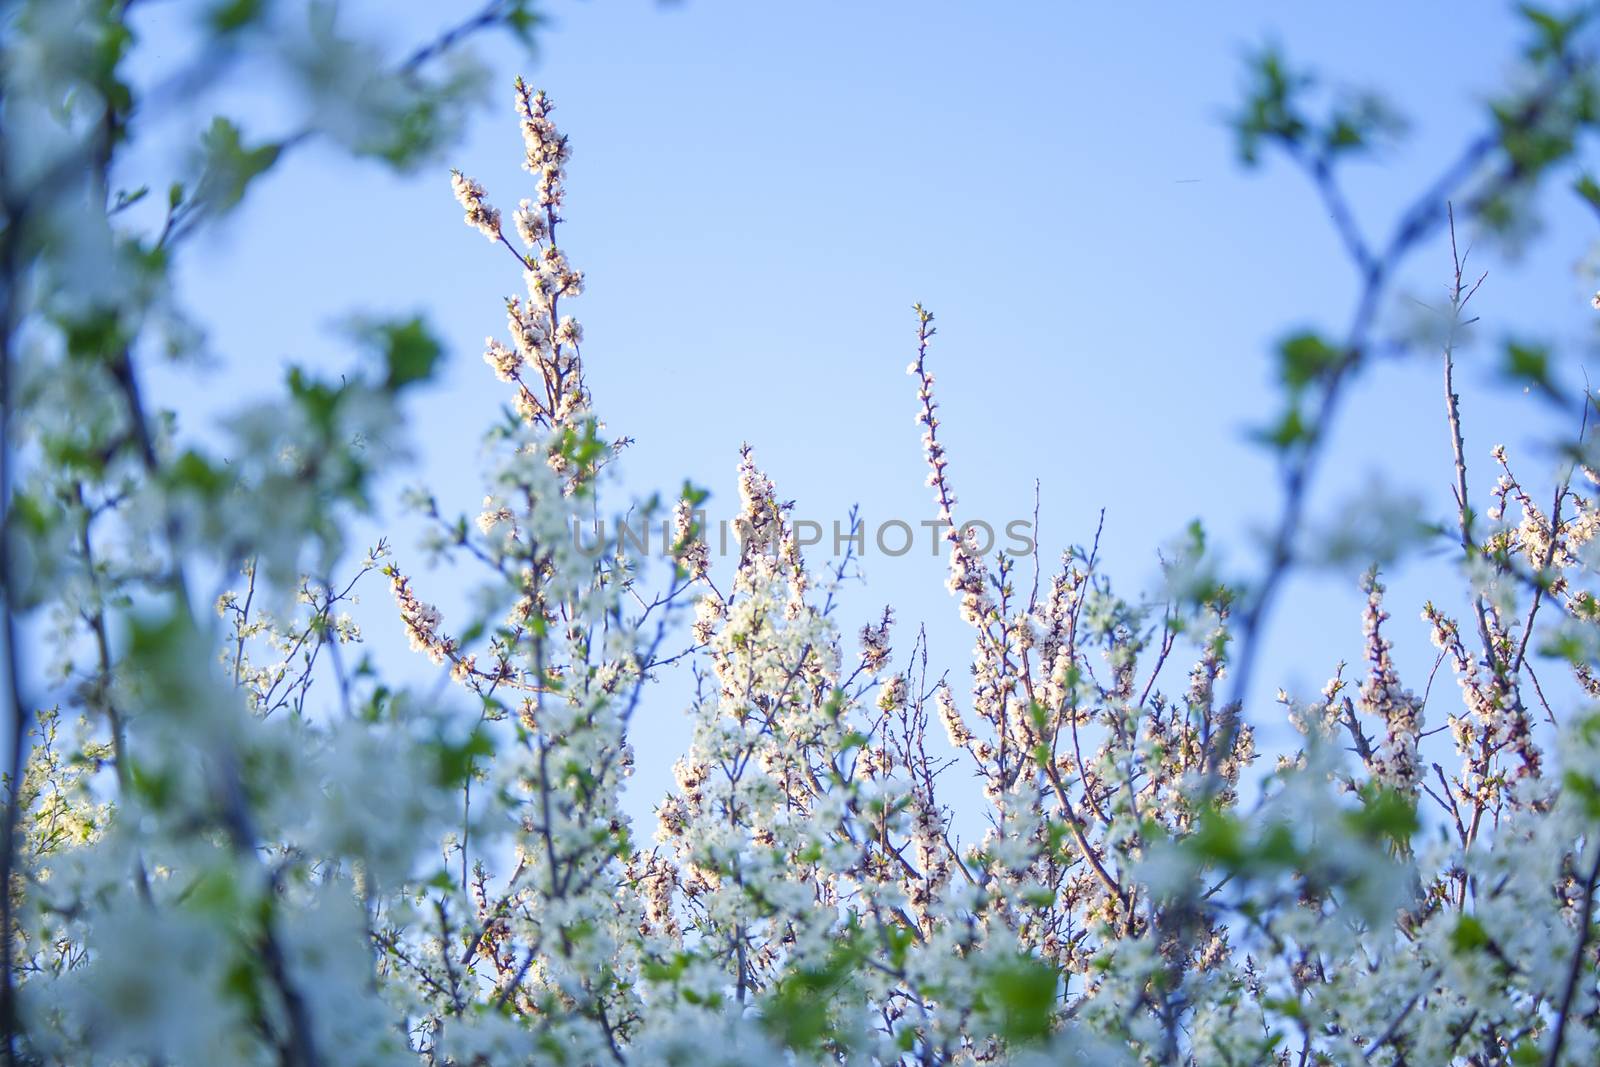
[1394,762]
[1540,579]
[244,619]
[1576,967]
[299,1047]
[935,451]
[102,643]
[1075,824]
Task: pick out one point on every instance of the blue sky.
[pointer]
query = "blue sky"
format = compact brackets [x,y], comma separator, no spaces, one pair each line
[760,191]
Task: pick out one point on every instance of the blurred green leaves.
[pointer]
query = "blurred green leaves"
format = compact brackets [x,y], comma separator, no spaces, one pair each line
[411,352]
[1271,109]
[228,165]
[1275,111]
[1304,358]
[227,17]
[1020,993]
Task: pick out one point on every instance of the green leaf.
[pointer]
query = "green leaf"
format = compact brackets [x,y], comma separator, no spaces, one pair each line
[1529,364]
[522,21]
[316,398]
[1288,1006]
[229,166]
[154,788]
[1271,110]
[1468,935]
[455,760]
[1219,838]
[797,1012]
[1023,993]
[1585,790]
[193,471]
[1304,358]
[127,199]
[1277,847]
[1290,430]
[215,893]
[665,970]
[1551,32]
[410,351]
[1360,123]
[1532,147]
[1586,187]
[1527,1054]
[231,16]
[96,334]
[1385,814]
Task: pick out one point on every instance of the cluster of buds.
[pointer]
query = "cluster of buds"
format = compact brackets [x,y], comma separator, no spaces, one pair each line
[1394,763]
[875,642]
[480,215]
[421,621]
[688,542]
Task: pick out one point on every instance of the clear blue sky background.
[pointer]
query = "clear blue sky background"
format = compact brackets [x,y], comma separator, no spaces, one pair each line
[760,191]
